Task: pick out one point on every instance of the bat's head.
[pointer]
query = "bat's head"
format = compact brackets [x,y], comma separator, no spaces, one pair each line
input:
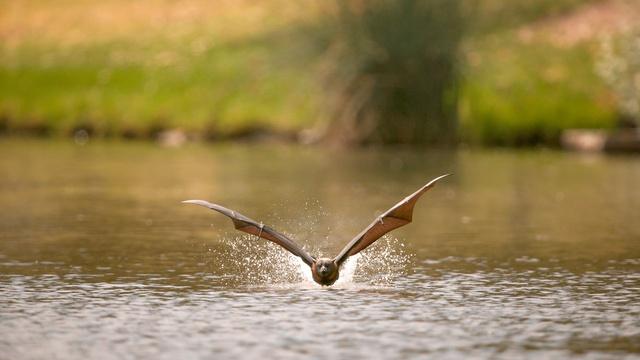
[325,271]
[325,267]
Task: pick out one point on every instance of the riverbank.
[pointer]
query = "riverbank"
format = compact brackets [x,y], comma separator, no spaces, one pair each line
[70,69]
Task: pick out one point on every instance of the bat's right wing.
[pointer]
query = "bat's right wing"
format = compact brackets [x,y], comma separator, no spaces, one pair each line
[399,215]
[250,226]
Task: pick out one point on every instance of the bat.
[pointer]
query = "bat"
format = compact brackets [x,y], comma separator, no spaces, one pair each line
[326,271]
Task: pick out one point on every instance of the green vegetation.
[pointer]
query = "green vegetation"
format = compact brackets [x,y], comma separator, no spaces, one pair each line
[216,76]
[619,65]
[118,88]
[394,79]
[517,94]
[492,15]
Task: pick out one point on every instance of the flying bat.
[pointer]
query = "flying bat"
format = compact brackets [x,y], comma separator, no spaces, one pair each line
[326,271]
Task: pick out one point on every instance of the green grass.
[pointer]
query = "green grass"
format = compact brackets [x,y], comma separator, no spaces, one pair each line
[511,93]
[131,87]
[522,94]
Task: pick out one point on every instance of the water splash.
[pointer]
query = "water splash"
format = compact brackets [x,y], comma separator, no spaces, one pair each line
[348,270]
[383,262]
[251,261]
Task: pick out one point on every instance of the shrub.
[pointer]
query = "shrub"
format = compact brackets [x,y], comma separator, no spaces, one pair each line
[619,66]
[393,73]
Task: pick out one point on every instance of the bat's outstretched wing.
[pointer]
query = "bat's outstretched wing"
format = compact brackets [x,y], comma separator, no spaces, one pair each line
[250,226]
[399,215]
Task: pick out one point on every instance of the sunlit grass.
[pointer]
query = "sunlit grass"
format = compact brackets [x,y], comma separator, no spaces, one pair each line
[521,94]
[119,86]
[133,68]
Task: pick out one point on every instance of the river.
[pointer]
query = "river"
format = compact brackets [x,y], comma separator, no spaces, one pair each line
[518,254]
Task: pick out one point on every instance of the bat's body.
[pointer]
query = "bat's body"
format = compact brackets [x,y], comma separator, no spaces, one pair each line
[326,271]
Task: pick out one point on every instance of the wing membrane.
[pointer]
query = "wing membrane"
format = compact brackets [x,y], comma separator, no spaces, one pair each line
[250,226]
[399,215]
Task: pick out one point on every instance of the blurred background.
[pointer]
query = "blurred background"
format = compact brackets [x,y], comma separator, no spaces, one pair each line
[490,72]
[527,251]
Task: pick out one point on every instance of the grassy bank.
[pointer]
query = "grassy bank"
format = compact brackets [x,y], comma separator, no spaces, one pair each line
[120,88]
[122,69]
[523,94]
[210,70]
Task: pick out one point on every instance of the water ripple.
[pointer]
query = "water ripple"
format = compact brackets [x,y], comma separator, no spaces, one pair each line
[484,313]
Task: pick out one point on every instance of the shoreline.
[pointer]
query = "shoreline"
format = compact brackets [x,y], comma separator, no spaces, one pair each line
[623,140]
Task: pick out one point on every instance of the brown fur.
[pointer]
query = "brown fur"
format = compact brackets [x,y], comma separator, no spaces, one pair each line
[330,276]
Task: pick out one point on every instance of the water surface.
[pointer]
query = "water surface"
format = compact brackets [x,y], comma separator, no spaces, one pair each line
[519,254]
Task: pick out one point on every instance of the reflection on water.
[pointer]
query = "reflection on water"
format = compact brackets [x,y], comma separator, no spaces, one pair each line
[519,253]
